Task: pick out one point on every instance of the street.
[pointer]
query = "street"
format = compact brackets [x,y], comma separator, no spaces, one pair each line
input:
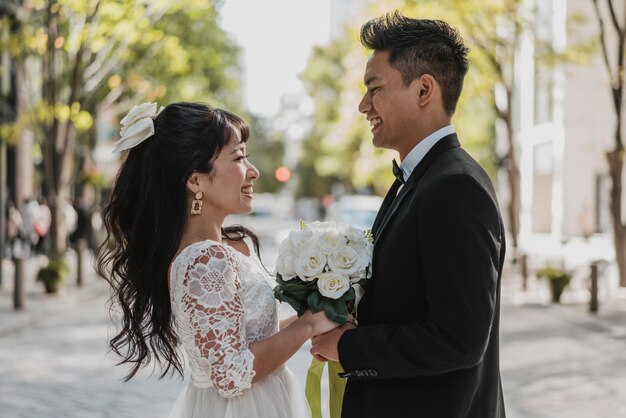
[556,366]
[553,365]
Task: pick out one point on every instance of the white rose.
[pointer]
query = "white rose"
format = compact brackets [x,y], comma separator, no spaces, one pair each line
[285,247]
[364,273]
[365,253]
[329,241]
[364,263]
[345,260]
[355,236]
[144,110]
[301,239]
[285,267]
[333,285]
[310,263]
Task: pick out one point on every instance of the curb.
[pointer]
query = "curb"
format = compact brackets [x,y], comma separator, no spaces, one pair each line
[589,321]
[39,310]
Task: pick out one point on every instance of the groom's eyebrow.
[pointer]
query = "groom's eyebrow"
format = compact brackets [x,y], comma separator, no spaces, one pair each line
[371,79]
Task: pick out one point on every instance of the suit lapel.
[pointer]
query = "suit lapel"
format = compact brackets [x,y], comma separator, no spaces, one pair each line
[389,198]
[444,144]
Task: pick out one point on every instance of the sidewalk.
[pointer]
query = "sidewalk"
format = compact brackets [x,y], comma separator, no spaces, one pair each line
[574,307]
[38,304]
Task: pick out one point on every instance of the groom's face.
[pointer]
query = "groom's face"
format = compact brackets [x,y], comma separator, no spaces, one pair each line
[391,107]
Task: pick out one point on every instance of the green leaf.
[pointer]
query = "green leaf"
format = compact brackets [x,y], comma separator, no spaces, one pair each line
[296,304]
[349,295]
[315,302]
[335,309]
[295,292]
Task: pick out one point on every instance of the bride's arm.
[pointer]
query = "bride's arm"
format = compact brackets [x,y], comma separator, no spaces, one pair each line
[215,314]
[272,352]
[284,323]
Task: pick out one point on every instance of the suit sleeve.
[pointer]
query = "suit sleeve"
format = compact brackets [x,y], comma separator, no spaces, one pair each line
[458,250]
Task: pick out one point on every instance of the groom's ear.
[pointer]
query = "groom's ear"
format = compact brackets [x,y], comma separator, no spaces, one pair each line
[426,89]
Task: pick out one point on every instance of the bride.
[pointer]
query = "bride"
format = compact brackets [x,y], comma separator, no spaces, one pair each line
[180,278]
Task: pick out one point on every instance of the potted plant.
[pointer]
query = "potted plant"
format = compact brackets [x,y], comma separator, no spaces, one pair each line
[53,274]
[558,279]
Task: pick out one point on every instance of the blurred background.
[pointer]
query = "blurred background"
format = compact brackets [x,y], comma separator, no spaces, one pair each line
[541,111]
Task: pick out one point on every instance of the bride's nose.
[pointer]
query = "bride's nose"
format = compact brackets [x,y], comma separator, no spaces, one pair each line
[253,172]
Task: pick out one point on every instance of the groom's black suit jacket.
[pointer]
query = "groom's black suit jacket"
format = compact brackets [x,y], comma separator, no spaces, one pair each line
[427,341]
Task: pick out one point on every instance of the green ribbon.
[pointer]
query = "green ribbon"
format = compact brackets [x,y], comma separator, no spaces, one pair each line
[336,387]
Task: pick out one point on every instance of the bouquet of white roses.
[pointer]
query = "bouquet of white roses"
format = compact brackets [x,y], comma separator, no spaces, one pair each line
[322,267]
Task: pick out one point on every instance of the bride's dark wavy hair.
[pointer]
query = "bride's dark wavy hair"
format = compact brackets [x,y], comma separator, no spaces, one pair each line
[144,220]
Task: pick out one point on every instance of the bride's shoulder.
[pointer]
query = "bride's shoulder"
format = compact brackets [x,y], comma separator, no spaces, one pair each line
[202,252]
[240,246]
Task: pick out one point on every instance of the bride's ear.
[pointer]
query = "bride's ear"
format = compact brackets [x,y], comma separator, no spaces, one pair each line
[193,183]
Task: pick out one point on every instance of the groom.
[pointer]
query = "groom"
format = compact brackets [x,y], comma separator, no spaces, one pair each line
[427,340]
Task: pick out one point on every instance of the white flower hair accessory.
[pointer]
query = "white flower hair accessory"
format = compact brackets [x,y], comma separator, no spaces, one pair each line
[137,126]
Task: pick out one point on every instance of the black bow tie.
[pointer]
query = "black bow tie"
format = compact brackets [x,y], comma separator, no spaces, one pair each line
[398,172]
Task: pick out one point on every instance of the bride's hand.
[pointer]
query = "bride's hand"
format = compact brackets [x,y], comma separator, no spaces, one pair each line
[319,323]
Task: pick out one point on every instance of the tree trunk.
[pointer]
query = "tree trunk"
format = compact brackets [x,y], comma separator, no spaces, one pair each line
[55,135]
[513,176]
[24,168]
[619,230]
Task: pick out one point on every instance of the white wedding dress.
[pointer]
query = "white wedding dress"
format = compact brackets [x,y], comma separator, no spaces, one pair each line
[222,300]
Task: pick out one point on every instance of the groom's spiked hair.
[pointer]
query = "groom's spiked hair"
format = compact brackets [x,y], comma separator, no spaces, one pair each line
[421,46]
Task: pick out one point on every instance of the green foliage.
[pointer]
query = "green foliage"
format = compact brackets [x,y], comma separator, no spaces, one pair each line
[322,163]
[266,153]
[184,55]
[558,279]
[95,179]
[553,273]
[338,147]
[167,50]
[94,54]
[55,272]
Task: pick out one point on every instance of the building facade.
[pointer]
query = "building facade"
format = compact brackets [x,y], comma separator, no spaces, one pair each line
[564,122]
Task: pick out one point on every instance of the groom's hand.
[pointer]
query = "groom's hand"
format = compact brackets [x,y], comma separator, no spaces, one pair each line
[324,346]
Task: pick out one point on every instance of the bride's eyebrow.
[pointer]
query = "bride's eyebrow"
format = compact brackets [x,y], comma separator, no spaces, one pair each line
[240,147]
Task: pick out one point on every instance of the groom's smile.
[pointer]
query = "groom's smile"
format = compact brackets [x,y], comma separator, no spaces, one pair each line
[374,123]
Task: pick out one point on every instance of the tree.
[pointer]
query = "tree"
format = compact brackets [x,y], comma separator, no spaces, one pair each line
[338,146]
[97,53]
[495,28]
[266,153]
[325,162]
[614,64]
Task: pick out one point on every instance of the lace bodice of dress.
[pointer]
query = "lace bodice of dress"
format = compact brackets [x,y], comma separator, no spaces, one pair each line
[222,301]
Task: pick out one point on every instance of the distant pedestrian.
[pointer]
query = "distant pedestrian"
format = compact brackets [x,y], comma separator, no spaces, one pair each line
[14,235]
[31,214]
[42,227]
[83,234]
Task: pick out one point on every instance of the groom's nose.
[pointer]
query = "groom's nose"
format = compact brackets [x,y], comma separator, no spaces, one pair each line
[366,104]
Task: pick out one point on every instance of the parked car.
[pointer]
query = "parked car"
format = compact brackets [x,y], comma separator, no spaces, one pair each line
[357,210]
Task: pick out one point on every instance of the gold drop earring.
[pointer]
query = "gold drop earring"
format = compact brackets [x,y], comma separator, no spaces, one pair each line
[196,205]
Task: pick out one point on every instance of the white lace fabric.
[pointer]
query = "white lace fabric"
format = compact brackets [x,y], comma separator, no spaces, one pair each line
[222,301]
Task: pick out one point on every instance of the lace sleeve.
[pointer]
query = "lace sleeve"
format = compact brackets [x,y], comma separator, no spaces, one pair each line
[215,310]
